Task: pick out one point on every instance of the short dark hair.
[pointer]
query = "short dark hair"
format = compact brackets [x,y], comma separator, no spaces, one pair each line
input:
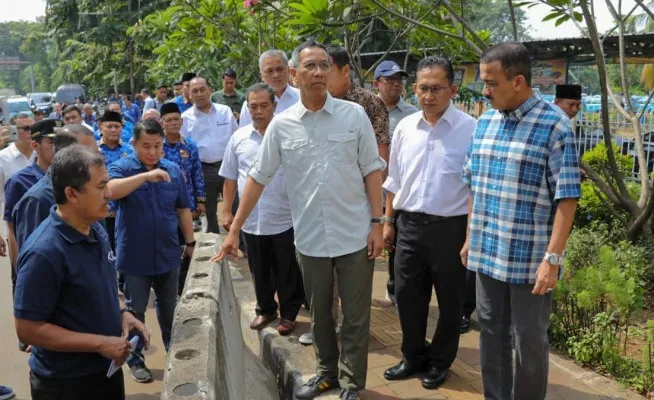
[437,62]
[514,58]
[63,140]
[229,72]
[339,55]
[311,43]
[260,87]
[147,126]
[71,167]
[127,97]
[37,112]
[70,109]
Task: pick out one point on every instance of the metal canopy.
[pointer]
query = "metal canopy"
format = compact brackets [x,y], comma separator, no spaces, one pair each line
[581,49]
[575,50]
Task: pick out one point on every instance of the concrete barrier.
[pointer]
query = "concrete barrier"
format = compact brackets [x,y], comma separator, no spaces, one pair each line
[207,357]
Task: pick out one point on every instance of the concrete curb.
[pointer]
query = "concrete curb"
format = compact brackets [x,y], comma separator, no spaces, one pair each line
[208,359]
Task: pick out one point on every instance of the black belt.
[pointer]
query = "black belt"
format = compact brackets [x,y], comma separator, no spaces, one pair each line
[212,164]
[427,218]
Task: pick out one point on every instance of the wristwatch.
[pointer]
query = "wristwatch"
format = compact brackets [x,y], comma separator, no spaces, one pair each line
[382,220]
[553,259]
[129,310]
[191,244]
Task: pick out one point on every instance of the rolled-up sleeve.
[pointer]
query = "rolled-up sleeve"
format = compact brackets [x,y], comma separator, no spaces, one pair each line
[269,158]
[229,167]
[369,159]
[563,174]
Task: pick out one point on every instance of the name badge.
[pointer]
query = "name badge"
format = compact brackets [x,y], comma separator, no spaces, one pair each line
[221,123]
[183,153]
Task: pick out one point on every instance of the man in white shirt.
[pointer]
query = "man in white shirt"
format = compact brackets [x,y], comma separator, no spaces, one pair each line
[16,156]
[273,65]
[332,170]
[427,156]
[268,231]
[210,125]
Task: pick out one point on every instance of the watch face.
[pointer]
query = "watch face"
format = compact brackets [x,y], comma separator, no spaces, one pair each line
[554,259]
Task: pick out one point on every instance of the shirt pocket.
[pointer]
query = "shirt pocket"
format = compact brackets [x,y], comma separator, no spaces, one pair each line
[453,162]
[168,195]
[343,147]
[296,154]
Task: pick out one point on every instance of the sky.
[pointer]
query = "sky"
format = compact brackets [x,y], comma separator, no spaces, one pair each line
[28,10]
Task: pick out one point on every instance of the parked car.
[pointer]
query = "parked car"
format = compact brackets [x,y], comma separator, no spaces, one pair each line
[69,93]
[10,106]
[42,101]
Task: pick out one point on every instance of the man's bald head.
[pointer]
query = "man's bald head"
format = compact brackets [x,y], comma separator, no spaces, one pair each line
[82,134]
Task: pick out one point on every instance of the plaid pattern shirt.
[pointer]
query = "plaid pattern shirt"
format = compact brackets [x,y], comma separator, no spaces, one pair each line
[519,164]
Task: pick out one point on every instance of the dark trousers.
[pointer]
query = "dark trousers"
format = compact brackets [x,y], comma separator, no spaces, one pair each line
[471,298]
[274,268]
[96,387]
[509,313]
[427,255]
[213,186]
[390,285]
[110,224]
[137,294]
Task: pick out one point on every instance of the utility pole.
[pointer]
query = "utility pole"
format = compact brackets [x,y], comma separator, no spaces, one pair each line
[32,78]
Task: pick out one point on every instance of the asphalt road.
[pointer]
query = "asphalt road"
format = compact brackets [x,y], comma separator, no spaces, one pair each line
[14,370]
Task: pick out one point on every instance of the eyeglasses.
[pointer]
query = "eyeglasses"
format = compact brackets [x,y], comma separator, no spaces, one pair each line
[394,80]
[311,66]
[24,128]
[432,89]
[270,71]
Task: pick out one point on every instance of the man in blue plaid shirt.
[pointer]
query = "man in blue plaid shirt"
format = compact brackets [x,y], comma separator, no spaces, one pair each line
[523,172]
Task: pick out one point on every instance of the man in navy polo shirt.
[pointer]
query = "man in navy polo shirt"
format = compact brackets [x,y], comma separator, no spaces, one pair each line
[151,202]
[16,186]
[66,304]
[34,207]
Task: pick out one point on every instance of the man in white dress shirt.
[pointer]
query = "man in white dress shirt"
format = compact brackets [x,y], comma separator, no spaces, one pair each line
[332,170]
[427,156]
[273,65]
[268,231]
[16,156]
[210,125]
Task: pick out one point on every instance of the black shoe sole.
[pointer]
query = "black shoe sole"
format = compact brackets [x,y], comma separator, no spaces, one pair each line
[433,385]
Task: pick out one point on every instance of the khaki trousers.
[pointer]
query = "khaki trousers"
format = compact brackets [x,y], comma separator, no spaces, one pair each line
[354,276]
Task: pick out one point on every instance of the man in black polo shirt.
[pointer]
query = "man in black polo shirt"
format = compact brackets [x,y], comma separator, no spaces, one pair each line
[66,304]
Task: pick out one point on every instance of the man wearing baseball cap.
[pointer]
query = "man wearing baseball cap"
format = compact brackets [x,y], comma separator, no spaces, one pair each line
[389,82]
[183,101]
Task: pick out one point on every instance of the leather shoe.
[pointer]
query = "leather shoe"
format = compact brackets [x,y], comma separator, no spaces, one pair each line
[465,324]
[261,321]
[402,370]
[286,327]
[434,378]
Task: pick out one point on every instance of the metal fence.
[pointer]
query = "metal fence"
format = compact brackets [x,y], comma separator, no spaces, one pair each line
[589,132]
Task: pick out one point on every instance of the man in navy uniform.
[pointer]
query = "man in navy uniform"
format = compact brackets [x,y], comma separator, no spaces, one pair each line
[67,259]
[34,206]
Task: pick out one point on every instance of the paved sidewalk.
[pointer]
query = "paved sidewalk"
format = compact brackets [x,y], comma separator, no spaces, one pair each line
[567,380]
